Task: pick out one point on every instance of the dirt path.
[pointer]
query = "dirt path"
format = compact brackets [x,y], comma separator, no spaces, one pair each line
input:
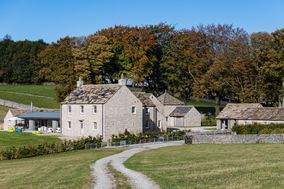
[137,180]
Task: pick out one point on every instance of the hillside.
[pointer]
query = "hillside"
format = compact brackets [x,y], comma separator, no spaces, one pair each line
[40,95]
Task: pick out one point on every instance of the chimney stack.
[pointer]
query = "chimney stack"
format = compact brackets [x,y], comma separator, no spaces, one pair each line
[122,81]
[80,82]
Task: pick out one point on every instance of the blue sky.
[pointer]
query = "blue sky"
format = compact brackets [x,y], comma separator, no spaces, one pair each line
[52,19]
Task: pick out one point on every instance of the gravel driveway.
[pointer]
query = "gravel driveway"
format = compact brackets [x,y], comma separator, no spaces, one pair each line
[137,180]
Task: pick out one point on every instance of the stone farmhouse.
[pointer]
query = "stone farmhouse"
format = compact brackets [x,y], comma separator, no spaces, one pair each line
[248,113]
[111,109]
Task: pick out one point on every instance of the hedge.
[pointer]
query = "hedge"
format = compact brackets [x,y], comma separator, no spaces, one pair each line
[259,129]
[147,136]
[48,148]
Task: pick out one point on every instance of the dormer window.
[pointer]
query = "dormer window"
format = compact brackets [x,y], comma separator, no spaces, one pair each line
[81,109]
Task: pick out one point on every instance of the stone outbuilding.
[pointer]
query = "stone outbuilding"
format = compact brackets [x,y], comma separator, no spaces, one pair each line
[248,113]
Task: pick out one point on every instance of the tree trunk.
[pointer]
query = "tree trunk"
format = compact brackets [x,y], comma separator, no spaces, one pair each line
[217,106]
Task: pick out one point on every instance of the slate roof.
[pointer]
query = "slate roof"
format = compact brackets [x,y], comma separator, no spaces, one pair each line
[92,94]
[264,113]
[40,115]
[144,98]
[16,112]
[237,111]
[180,111]
[167,99]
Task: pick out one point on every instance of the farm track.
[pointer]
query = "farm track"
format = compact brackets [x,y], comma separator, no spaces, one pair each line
[104,179]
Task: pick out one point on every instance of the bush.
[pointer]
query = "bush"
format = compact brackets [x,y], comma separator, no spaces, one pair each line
[48,148]
[144,137]
[258,129]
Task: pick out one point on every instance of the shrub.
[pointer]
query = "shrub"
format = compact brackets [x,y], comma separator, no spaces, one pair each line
[48,148]
[147,136]
[258,129]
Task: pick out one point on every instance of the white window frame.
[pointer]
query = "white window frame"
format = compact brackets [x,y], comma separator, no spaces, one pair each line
[95,109]
[69,125]
[82,109]
[95,125]
[133,112]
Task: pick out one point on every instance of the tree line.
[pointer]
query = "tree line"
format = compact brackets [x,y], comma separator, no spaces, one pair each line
[219,62]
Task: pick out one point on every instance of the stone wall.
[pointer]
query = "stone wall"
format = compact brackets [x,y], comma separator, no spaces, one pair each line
[232,139]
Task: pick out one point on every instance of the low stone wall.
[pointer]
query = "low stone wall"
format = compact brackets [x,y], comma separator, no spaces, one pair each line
[232,139]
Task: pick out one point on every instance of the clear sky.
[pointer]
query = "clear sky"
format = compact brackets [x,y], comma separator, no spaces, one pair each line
[52,19]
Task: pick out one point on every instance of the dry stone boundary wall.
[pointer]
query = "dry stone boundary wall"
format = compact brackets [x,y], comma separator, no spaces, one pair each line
[233,139]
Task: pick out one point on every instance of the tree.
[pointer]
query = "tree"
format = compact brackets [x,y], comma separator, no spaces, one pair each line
[57,62]
[185,61]
[132,49]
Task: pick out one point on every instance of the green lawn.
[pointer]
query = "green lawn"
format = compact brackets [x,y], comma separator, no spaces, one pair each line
[41,90]
[213,166]
[24,94]
[3,112]
[65,170]
[18,139]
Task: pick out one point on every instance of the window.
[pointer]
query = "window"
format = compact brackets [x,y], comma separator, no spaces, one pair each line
[82,109]
[159,124]
[81,124]
[69,109]
[147,111]
[94,109]
[166,118]
[133,109]
[69,124]
[95,125]
[147,124]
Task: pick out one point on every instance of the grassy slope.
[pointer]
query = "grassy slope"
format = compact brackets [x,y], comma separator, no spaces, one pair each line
[3,112]
[65,170]
[41,90]
[213,166]
[18,139]
[22,94]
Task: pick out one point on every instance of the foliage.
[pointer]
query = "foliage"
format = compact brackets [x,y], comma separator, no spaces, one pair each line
[208,120]
[19,61]
[47,148]
[258,129]
[147,136]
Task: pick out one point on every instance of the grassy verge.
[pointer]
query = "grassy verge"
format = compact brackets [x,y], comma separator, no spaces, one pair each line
[120,179]
[41,90]
[18,139]
[65,170]
[213,166]
[3,112]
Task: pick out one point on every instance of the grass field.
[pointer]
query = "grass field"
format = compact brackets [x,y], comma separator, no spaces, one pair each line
[3,112]
[18,139]
[213,166]
[65,170]
[41,90]
[42,96]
